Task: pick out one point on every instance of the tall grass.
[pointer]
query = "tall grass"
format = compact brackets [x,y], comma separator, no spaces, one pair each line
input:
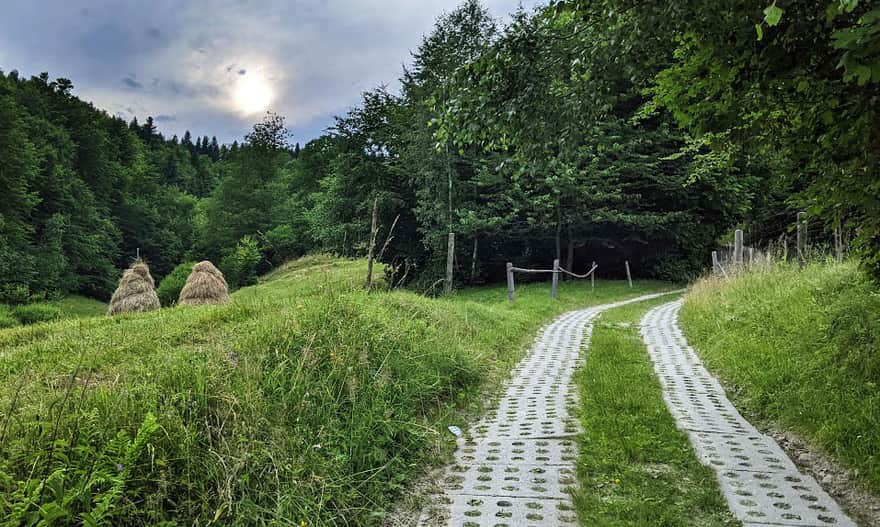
[800,348]
[306,401]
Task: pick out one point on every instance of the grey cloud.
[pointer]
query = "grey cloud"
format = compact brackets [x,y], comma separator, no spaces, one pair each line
[131,83]
[162,118]
[183,60]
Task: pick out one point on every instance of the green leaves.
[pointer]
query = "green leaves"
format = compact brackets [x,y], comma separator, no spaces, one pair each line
[772,14]
[861,45]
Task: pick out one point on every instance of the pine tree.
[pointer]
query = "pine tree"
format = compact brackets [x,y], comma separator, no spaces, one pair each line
[186,142]
[215,149]
[148,132]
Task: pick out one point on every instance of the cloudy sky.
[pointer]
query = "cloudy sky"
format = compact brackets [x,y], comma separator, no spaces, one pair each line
[215,66]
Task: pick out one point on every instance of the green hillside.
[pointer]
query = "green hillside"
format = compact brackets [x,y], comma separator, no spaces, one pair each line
[306,400]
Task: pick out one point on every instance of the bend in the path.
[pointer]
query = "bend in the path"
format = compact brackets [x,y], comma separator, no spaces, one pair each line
[761,484]
[515,466]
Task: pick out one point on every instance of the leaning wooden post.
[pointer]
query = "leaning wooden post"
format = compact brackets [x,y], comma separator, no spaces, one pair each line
[738,247]
[751,257]
[368,285]
[554,292]
[715,264]
[629,277]
[802,238]
[510,285]
[593,276]
[450,261]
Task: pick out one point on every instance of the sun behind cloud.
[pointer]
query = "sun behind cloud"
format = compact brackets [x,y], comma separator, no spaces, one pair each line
[252,94]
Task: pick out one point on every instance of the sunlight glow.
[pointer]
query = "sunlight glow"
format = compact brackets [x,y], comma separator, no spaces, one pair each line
[252,94]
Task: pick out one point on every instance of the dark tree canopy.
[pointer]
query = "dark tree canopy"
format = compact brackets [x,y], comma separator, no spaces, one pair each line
[584,130]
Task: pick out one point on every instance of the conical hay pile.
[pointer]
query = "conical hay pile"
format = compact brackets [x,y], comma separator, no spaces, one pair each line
[204,286]
[136,292]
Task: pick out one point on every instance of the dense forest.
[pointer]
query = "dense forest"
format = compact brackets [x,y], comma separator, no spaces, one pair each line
[585,130]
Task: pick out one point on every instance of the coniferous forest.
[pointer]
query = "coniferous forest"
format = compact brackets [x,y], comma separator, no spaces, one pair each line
[586,131]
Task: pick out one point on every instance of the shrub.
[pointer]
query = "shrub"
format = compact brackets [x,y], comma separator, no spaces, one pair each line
[7,319]
[14,293]
[240,266]
[170,286]
[33,313]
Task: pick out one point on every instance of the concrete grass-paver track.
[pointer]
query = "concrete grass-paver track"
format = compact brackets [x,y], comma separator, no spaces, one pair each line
[761,484]
[515,467]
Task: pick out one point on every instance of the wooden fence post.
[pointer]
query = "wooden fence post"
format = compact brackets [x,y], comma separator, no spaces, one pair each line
[751,256]
[510,285]
[738,247]
[593,277]
[715,263]
[374,229]
[450,261]
[554,292]
[802,238]
[628,275]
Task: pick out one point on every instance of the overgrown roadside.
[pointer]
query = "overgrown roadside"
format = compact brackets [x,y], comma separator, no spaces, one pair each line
[635,467]
[797,350]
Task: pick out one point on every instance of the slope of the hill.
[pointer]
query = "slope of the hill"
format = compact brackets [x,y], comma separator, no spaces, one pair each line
[800,349]
[306,401]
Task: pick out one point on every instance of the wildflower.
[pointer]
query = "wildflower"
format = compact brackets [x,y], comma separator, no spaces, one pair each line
[119,467]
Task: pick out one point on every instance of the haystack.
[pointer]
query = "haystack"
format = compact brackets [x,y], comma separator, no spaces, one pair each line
[136,291]
[205,285]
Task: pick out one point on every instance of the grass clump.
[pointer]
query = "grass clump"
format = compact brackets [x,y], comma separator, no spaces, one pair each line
[7,317]
[800,348]
[635,467]
[306,400]
[37,312]
[65,308]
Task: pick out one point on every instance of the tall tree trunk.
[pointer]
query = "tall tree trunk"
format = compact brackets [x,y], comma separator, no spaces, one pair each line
[474,261]
[569,260]
[450,262]
[558,232]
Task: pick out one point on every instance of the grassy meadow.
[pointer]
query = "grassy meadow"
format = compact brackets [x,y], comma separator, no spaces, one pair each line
[798,348]
[48,311]
[305,402]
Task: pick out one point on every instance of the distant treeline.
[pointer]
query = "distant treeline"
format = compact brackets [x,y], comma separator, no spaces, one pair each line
[586,130]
